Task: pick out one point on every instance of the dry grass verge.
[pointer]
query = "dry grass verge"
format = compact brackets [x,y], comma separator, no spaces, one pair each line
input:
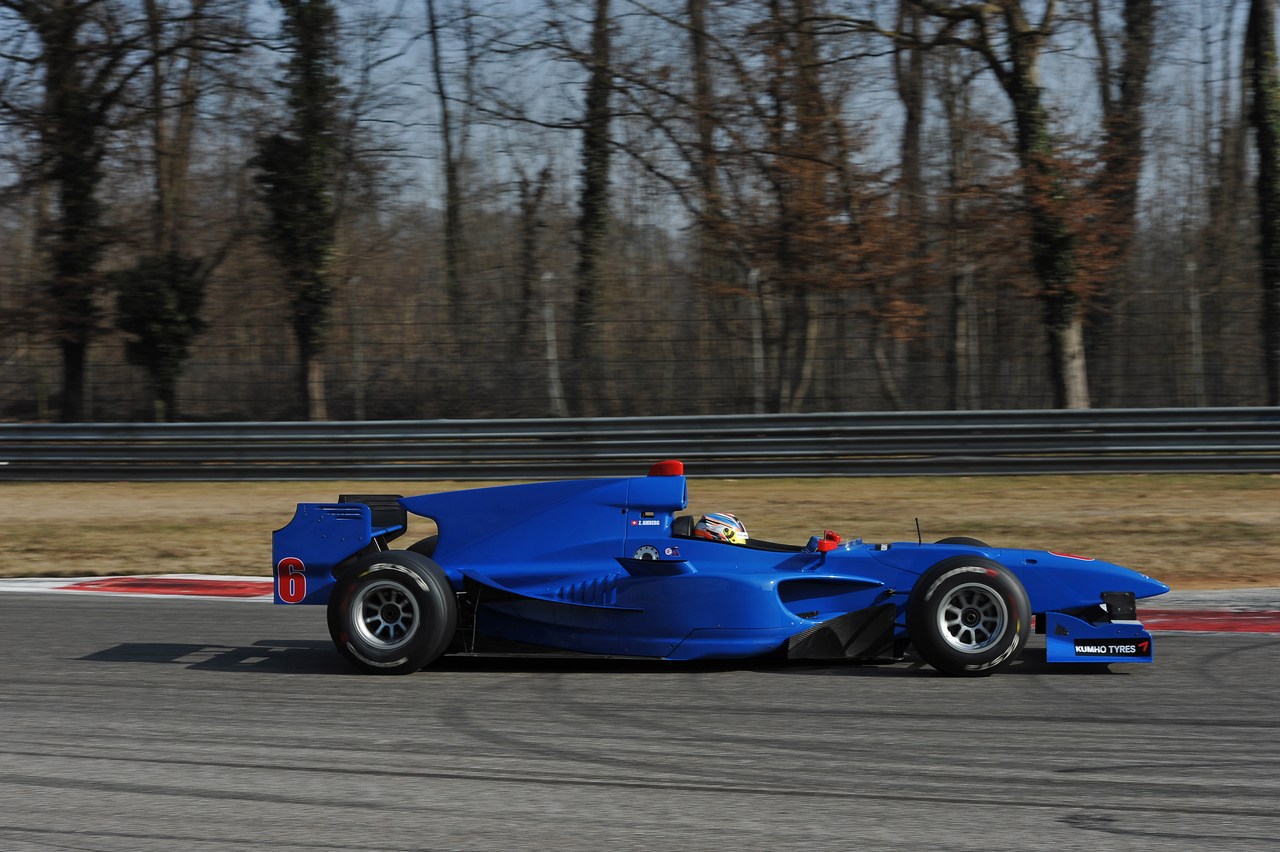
[1191,531]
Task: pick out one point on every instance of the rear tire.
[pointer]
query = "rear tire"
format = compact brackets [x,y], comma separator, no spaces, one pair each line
[426,547]
[968,616]
[392,613]
[962,539]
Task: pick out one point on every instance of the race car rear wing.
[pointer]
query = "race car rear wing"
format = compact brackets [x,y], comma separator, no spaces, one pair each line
[321,536]
[387,517]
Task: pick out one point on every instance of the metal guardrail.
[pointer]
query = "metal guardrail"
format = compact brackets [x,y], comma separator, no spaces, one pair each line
[1183,440]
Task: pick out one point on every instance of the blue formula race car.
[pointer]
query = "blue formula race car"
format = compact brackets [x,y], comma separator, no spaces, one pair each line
[610,567]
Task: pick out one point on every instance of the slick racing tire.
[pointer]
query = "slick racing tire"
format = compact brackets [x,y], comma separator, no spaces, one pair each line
[962,539]
[968,616]
[392,613]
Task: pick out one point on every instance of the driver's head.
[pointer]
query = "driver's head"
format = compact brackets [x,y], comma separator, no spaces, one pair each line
[721,526]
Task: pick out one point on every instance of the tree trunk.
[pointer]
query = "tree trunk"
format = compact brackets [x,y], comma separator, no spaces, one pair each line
[965,342]
[908,66]
[1264,82]
[1065,322]
[759,371]
[1044,188]
[909,77]
[297,175]
[966,351]
[705,165]
[555,386]
[530,231]
[1123,97]
[172,131]
[452,190]
[1053,240]
[71,143]
[317,405]
[802,147]
[593,218]
[74,405]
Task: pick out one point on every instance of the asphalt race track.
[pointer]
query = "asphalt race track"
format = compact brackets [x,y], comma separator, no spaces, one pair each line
[161,724]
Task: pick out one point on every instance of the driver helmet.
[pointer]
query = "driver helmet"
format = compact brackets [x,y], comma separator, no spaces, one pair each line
[721,526]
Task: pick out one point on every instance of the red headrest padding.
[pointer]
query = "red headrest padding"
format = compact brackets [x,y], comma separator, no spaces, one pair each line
[670,467]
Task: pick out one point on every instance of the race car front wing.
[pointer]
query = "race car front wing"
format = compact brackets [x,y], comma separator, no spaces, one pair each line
[1110,634]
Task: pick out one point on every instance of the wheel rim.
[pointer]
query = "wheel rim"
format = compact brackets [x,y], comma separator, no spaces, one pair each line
[385,615]
[972,618]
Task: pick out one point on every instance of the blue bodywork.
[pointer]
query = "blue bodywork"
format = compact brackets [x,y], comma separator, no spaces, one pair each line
[596,566]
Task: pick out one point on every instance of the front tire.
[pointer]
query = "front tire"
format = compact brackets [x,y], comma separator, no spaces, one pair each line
[963,539]
[969,616]
[392,613]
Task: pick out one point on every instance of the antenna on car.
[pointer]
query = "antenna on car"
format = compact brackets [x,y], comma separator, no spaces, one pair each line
[919,538]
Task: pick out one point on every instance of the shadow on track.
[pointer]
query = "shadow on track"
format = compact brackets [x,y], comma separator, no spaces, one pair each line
[290,656]
[1031,662]
[319,658]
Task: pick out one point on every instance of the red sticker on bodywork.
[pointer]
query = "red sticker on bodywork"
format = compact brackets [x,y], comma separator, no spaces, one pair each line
[1073,556]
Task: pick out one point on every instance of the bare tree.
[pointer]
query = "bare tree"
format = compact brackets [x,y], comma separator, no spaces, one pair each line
[1216,249]
[1122,90]
[765,165]
[593,206]
[297,173]
[908,69]
[452,188]
[1264,83]
[532,193]
[1010,43]
[159,297]
[910,81]
[86,56]
[1014,59]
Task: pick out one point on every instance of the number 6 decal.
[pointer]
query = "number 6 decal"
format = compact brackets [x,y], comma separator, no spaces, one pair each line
[291,580]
